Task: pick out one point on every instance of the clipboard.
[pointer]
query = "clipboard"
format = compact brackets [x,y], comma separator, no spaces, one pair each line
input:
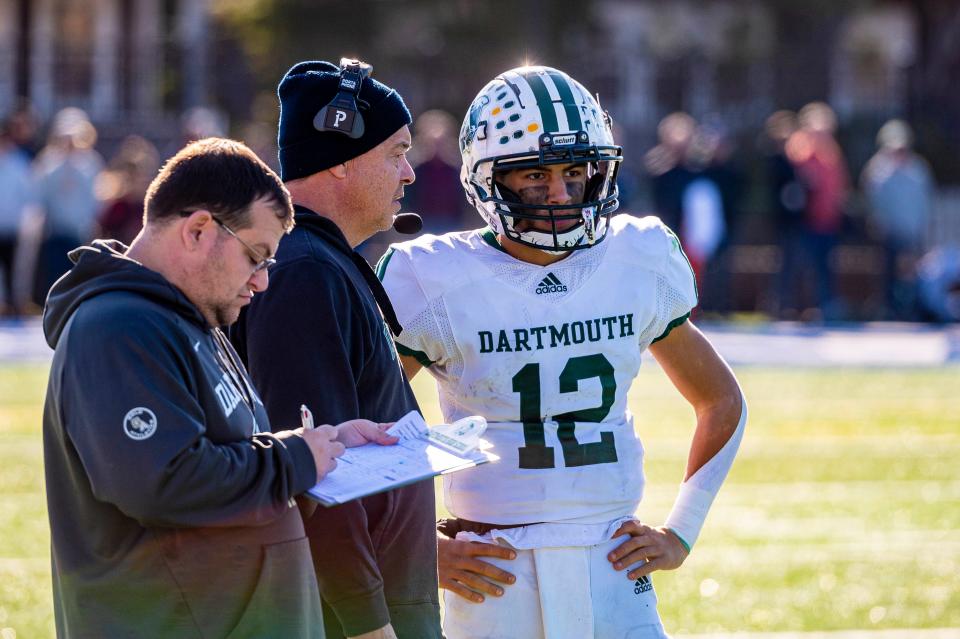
[422,452]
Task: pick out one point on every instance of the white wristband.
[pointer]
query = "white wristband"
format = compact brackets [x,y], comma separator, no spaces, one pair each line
[688,514]
[698,492]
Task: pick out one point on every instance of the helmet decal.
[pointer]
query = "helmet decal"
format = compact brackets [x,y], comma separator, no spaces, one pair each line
[469,129]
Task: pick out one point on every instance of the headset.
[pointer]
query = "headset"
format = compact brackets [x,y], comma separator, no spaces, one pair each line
[342,114]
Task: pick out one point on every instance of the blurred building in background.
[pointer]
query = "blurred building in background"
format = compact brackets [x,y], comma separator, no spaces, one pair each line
[133,65]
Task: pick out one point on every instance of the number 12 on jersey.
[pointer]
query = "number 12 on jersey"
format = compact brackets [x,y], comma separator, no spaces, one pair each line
[535,453]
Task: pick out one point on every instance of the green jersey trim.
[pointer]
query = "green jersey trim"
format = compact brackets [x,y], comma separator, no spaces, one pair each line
[420,356]
[672,325]
[381,268]
[488,236]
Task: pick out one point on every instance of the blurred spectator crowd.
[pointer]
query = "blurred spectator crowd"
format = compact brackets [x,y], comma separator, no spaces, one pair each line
[836,250]
[58,192]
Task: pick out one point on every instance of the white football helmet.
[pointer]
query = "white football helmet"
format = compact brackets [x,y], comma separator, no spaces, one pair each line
[537,116]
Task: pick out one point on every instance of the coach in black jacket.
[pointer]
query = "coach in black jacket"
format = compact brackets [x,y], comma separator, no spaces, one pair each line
[322,337]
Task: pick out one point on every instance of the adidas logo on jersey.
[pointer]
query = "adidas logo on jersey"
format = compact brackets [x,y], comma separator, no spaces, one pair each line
[643,584]
[550,284]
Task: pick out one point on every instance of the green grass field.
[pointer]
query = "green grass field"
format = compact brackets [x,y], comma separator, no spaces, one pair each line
[842,511]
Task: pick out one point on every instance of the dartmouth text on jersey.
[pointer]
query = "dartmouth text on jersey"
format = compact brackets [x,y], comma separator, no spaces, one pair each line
[537,338]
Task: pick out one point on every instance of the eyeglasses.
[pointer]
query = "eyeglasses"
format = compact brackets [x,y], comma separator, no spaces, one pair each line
[261,261]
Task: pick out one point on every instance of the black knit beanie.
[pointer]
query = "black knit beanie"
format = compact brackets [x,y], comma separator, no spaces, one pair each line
[305,89]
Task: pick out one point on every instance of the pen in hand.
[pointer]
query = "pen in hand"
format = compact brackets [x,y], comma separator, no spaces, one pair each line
[306,420]
[306,507]
[322,441]
[306,417]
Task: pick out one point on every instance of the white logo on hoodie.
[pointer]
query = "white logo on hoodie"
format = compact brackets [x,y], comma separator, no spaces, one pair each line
[140,423]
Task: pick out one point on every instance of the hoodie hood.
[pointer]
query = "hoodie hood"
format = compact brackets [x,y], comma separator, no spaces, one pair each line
[102,267]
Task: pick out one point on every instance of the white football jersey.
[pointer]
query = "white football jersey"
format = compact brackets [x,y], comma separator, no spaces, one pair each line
[547,354]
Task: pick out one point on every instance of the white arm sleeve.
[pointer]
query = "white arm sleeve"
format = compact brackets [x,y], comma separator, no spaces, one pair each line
[698,492]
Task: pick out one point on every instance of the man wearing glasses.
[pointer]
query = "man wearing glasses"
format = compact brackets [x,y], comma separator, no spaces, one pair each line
[170,501]
[259,261]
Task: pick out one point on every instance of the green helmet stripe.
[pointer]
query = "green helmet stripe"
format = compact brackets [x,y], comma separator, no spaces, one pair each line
[544,103]
[569,103]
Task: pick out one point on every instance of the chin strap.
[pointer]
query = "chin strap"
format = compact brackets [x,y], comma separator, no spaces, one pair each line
[589,224]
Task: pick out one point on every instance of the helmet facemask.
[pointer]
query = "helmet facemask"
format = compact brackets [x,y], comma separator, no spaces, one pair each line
[590,209]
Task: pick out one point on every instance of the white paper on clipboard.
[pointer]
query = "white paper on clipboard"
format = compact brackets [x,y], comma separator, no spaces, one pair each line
[421,453]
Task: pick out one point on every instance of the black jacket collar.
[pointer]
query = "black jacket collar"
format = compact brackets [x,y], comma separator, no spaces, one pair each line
[322,226]
[327,230]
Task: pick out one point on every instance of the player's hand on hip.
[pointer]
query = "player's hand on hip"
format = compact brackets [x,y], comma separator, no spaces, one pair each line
[462,573]
[658,547]
[358,432]
[323,443]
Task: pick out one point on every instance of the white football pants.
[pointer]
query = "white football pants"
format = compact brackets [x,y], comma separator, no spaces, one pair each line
[560,593]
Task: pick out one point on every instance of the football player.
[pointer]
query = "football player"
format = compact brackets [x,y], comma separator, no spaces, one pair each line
[538,323]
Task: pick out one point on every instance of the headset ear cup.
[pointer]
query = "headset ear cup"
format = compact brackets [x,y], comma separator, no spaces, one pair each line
[342,114]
